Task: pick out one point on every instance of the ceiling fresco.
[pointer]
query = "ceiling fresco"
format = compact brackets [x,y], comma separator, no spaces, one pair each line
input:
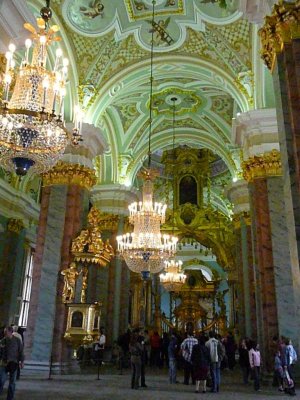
[202,55]
[133,17]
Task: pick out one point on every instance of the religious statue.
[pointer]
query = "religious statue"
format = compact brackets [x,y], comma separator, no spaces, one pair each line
[79,243]
[70,275]
[88,246]
[84,272]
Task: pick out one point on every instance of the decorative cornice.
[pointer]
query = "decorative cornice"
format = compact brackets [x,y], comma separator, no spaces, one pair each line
[70,174]
[265,165]
[15,225]
[281,27]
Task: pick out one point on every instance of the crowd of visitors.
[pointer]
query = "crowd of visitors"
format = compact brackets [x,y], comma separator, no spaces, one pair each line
[202,358]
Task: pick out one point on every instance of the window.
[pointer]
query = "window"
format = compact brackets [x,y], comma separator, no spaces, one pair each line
[27,284]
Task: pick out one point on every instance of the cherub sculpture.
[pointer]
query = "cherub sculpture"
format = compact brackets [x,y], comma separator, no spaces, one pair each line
[94,9]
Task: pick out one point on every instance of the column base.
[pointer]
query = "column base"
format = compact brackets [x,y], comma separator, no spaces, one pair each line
[44,369]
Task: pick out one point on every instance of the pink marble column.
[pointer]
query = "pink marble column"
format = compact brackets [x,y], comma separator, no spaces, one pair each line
[264,273]
[72,225]
[37,270]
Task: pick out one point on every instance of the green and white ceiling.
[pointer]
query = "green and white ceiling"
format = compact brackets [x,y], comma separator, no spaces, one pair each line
[207,65]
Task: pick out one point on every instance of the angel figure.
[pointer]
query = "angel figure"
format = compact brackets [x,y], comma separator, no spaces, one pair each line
[70,275]
[160,35]
[94,9]
[140,6]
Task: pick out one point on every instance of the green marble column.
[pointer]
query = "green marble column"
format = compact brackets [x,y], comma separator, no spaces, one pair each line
[12,262]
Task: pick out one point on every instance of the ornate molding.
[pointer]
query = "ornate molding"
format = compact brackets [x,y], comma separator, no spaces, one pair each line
[245,216]
[265,165]
[15,225]
[108,222]
[280,28]
[70,174]
[88,247]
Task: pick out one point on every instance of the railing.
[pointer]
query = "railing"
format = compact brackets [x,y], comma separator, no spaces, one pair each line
[215,325]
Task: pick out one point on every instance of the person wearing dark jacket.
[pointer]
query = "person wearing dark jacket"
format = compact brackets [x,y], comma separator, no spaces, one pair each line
[136,349]
[244,361]
[200,362]
[141,340]
[11,356]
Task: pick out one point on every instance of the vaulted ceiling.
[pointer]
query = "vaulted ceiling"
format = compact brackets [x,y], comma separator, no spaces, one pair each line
[203,57]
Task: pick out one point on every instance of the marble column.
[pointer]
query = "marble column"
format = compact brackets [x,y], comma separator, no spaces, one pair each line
[239,195]
[276,290]
[113,201]
[276,279]
[64,205]
[280,38]
[118,281]
[11,270]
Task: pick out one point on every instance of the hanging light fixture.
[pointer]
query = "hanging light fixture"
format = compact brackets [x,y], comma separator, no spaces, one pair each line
[32,132]
[146,249]
[173,279]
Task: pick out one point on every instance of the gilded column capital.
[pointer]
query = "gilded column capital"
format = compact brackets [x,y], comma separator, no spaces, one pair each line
[15,225]
[262,166]
[70,174]
[281,27]
[237,218]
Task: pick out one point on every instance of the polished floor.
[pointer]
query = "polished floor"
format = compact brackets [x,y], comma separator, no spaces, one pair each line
[113,386]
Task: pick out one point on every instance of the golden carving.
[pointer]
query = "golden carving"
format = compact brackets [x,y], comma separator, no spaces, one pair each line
[209,227]
[85,273]
[2,70]
[147,14]
[15,225]
[89,247]
[108,222]
[267,164]
[281,27]
[188,163]
[83,323]
[70,174]
[245,216]
[70,275]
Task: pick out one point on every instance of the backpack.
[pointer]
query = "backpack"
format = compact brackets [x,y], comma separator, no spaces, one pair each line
[221,351]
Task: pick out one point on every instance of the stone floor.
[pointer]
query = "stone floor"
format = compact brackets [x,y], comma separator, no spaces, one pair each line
[113,386]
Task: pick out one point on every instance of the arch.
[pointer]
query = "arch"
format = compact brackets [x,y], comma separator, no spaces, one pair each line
[138,74]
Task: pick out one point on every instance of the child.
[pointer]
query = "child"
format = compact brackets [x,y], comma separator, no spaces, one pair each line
[278,370]
[255,363]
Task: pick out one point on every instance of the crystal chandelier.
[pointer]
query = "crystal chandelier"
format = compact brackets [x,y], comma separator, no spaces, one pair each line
[32,132]
[146,249]
[173,279]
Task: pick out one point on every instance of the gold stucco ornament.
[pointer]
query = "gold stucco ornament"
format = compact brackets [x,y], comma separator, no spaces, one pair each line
[279,29]
[262,166]
[70,275]
[88,247]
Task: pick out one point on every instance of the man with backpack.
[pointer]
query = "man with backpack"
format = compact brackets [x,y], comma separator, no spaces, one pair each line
[186,350]
[216,354]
